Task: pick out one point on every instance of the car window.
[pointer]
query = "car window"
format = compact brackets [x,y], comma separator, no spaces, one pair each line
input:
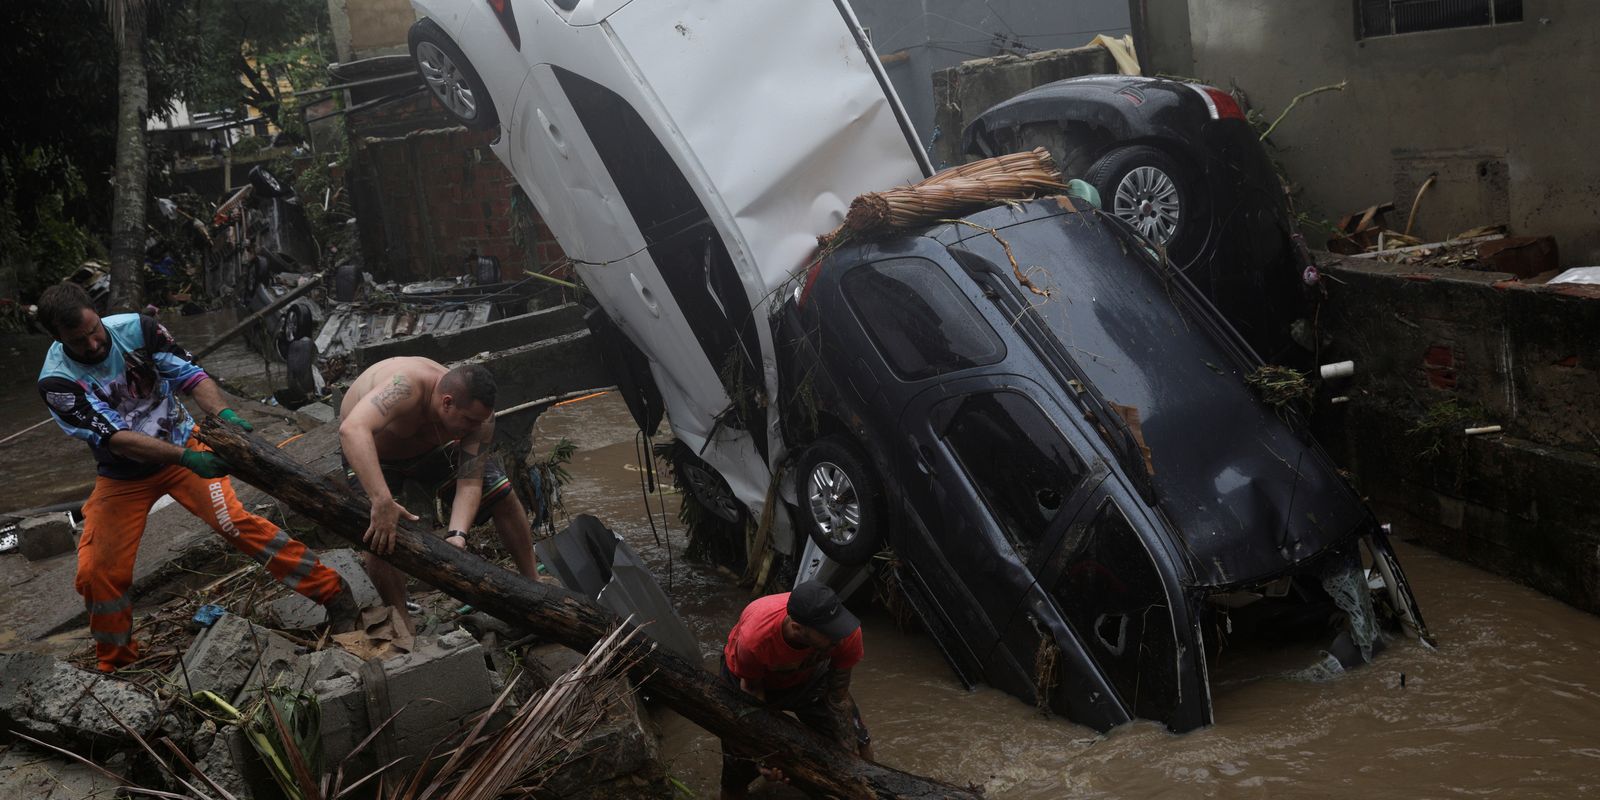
[1020,464]
[918,319]
[1112,596]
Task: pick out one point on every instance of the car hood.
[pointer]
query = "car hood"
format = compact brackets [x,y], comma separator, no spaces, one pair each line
[1247,492]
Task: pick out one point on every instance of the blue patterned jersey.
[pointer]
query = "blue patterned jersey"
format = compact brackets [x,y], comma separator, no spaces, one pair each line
[131,390]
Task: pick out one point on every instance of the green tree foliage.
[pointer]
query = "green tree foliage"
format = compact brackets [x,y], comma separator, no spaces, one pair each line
[241,48]
[58,136]
[40,242]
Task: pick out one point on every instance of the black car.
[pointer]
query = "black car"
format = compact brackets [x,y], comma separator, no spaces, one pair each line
[1180,163]
[1068,470]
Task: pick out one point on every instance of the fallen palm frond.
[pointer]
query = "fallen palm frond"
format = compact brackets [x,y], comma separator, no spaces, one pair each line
[1279,386]
[1008,178]
[519,758]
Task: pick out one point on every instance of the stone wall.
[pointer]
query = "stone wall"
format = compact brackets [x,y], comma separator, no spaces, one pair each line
[1438,351]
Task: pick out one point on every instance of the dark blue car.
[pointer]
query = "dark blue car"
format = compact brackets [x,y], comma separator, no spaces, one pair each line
[1050,429]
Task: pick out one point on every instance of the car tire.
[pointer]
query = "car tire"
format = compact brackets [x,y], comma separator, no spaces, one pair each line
[346,281]
[709,488]
[1149,190]
[450,77]
[266,182]
[841,501]
[302,363]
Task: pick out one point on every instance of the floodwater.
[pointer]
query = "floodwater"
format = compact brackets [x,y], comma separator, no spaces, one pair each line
[1507,706]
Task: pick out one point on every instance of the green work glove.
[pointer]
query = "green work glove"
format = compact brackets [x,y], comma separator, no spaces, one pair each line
[232,417]
[204,463]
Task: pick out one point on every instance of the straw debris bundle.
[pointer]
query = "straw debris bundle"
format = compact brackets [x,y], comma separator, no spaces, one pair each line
[1008,178]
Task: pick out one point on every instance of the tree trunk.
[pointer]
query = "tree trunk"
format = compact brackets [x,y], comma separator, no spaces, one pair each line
[810,761]
[130,184]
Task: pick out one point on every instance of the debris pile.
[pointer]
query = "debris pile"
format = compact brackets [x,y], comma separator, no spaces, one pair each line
[239,696]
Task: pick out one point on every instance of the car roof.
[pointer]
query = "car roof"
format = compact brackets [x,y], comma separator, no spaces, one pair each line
[1249,493]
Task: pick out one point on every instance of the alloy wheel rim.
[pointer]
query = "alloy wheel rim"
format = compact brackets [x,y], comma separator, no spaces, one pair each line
[1147,199]
[835,507]
[445,80]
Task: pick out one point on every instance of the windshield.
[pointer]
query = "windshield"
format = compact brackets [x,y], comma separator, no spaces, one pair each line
[1247,493]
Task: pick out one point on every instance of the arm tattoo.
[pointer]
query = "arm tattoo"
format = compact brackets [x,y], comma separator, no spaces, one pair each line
[398,389]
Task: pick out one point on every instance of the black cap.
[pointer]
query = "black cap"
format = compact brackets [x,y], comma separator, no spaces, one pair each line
[814,605]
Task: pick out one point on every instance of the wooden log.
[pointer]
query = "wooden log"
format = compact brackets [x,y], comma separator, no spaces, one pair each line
[809,760]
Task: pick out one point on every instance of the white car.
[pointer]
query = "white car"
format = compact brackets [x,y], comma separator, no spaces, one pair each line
[686,154]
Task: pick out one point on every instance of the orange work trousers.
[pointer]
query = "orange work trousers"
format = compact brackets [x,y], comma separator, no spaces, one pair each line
[113,524]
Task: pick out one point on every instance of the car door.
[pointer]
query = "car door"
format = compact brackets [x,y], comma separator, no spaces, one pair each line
[1125,610]
[998,479]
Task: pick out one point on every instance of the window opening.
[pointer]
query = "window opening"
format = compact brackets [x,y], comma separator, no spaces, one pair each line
[1390,17]
[1018,461]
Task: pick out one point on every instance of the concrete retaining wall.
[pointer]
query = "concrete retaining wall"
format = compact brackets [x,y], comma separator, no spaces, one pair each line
[962,92]
[1466,349]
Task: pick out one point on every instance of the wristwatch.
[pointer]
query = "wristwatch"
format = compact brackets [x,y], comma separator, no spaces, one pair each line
[453,534]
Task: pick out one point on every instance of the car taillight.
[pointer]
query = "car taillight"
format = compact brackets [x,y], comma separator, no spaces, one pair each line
[811,280]
[508,21]
[1219,103]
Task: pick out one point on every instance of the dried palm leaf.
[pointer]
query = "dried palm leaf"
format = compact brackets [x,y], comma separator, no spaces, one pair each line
[954,192]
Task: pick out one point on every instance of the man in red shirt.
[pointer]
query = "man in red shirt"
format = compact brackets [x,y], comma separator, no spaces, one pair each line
[794,652]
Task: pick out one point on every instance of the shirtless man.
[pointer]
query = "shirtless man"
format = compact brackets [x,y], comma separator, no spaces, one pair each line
[409,418]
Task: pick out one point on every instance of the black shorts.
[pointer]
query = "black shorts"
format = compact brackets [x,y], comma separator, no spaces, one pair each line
[435,471]
[809,704]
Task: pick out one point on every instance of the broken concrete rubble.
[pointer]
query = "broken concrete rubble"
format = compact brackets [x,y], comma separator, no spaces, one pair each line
[297,612]
[41,776]
[432,691]
[231,655]
[63,705]
[46,535]
[226,757]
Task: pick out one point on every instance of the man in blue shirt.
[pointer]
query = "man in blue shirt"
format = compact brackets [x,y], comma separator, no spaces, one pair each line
[110,383]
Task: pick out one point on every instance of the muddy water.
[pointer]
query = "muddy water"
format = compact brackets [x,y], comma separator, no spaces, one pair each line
[1505,707]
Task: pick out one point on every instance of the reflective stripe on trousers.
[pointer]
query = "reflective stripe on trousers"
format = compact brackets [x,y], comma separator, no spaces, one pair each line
[114,523]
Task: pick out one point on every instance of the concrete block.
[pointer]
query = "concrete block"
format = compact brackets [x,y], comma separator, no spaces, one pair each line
[61,704]
[232,654]
[321,412]
[41,776]
[46,535]
[435,688]
[296,612]
[441,685]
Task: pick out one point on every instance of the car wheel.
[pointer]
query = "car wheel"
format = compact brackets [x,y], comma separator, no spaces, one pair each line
[346,282]
[451,78]
[1147,189]
[302,362]
[709,489]
[266,182]
[840,501]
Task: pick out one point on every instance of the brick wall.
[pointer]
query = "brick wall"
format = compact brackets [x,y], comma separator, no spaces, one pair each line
[428,193]
[1466,349]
